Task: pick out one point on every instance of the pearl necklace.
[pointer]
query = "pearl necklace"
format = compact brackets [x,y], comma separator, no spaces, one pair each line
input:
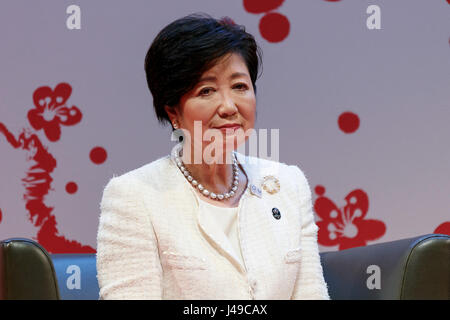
[206,192]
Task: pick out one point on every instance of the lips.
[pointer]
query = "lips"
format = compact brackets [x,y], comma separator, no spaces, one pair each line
[229,128]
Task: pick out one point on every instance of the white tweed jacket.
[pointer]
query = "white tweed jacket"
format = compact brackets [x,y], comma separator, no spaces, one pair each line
[154,243]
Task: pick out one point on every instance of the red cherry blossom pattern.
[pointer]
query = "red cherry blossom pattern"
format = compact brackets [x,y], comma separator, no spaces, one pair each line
[346,227]
[51,111]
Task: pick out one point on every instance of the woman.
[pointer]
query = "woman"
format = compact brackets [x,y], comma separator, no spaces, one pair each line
[218,227]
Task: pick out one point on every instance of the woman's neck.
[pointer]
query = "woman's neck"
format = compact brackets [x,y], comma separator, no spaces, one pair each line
[216,176]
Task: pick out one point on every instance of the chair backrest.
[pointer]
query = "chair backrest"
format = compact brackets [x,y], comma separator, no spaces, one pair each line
[26,271]
[415,268]
[77,276]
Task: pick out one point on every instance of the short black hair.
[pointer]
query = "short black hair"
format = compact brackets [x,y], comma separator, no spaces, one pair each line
[189,46]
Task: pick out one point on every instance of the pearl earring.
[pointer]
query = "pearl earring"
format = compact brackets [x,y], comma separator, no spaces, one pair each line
[175,125]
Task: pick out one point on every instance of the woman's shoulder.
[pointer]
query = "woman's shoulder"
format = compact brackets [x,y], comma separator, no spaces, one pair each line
[261,169]
[263,166]
[142,175]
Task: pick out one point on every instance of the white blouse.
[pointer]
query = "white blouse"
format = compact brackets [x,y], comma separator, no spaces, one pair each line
[226,220]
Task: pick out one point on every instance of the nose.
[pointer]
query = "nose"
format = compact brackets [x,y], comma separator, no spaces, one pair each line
[227,107]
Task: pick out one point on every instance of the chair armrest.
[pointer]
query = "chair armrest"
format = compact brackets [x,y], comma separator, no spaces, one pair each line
[414,268]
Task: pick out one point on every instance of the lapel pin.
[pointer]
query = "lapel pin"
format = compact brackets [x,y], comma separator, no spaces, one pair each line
[255,190]
[276,213]
[271,184]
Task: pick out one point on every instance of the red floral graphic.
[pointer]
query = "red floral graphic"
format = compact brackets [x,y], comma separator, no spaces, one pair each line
[51,111]
[346,227]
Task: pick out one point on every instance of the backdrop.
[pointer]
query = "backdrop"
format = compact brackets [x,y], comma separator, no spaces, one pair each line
[358,89]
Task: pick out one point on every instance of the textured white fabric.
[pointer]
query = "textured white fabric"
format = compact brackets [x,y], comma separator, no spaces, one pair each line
[153,242]
[226,220]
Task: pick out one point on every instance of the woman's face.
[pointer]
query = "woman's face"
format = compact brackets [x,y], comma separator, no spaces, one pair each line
[223,104]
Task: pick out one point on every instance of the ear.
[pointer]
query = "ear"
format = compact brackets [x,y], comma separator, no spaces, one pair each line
[172,113]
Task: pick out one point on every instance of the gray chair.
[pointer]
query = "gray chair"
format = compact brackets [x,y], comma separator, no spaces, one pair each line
[415,268]
[408,269]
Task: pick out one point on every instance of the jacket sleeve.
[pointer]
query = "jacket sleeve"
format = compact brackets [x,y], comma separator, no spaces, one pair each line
[310,283]
[128,265]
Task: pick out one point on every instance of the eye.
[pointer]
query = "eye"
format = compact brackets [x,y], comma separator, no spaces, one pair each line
[240,86]
[206,91]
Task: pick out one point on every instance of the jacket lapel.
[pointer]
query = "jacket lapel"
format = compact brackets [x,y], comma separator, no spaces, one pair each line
[210,231]
[215,235]
[252,201]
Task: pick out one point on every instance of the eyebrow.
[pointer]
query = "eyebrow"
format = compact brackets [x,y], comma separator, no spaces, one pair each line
[233,76]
